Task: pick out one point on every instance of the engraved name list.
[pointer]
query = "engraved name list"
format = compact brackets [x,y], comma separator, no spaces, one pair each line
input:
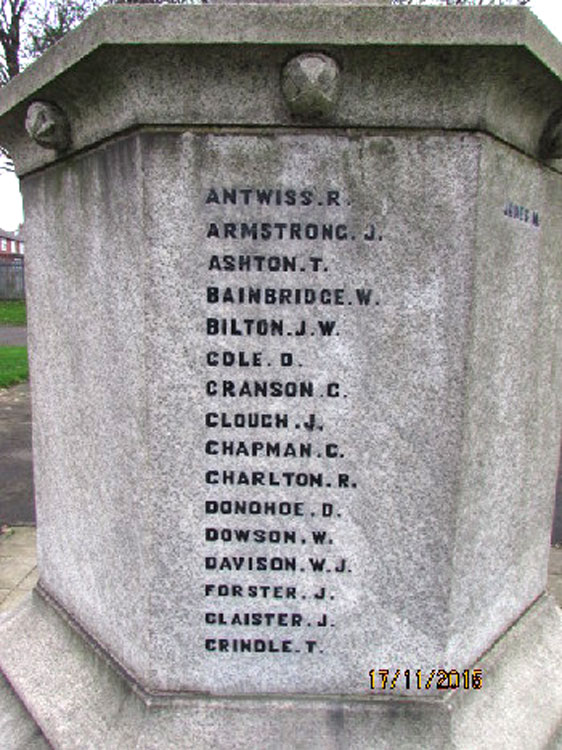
[278,487]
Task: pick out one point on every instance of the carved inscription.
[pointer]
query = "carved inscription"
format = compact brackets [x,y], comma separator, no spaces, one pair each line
[522,213]
[279,484]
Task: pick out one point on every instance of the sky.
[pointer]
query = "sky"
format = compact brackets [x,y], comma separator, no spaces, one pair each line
[11,212]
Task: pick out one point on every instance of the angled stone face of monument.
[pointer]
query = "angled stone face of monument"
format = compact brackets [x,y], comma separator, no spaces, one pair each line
[294,282]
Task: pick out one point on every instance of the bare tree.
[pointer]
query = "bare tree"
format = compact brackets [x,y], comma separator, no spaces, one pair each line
[11,19]
[27,29]
[49,24]
[160,2]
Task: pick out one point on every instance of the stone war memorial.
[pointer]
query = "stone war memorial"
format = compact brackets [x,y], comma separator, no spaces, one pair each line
[294,284]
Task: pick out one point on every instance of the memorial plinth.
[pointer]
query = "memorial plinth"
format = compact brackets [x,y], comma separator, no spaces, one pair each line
[294,282]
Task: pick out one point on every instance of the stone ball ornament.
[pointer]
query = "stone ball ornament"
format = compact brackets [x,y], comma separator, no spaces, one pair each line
[48,126]
[310,84]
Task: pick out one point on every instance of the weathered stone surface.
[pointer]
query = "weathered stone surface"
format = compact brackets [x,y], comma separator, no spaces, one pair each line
[90,282]
[550,144]
[557,521]
[296,389]
[48,126]
[63,676]
[311,84]
[17,729]
[434,384]
[491,69]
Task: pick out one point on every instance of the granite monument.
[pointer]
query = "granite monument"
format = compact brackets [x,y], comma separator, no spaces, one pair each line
[294,279]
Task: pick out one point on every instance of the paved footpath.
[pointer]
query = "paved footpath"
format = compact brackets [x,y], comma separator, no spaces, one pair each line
[16,486]
[18,565]
[13,336]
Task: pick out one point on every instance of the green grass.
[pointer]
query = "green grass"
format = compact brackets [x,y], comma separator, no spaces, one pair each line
[13,365]
[12,312]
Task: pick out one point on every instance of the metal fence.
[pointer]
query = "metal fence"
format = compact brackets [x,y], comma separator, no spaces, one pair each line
[12,278]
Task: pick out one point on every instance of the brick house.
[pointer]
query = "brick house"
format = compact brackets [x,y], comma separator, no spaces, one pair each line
[12,273]
[11,244]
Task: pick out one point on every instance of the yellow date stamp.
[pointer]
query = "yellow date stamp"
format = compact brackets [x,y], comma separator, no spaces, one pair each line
[417,679]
